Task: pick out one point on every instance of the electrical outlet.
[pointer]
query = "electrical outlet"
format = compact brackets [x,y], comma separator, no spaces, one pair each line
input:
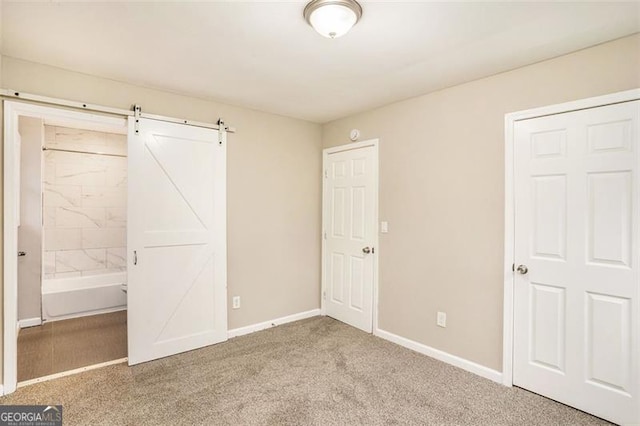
[236,302]
[441,320]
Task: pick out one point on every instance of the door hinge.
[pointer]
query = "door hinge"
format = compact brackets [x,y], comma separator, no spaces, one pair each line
[326,173]
[324,235]
[324,295]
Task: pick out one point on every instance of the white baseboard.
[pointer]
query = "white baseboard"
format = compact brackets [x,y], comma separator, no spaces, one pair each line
[29,322]
[454,360]
[268,324]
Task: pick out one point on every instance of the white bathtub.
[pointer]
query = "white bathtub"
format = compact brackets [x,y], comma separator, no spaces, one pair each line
[65,298]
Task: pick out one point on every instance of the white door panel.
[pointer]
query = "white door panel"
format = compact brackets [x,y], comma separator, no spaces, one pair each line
[350,226]
[576,333]
[176,240]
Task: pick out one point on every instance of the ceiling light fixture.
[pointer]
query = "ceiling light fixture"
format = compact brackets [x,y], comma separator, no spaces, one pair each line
[332,18]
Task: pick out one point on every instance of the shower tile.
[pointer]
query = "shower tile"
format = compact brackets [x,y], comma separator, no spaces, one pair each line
[104,238]
[116,139]
[85,173]
[49,133]
[117,257]
[117,162]
[62,195]
[117,144]
[49,262]
[80,217]
[61,266]
[80,260]
[85,194]
[49,174]
[63,157]
[62,239]
[104,196]
[116,217]
[69,137]
[49,217]
[116,177]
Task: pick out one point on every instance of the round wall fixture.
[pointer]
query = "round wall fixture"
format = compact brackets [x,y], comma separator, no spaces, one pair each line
[354,135]
[332,18]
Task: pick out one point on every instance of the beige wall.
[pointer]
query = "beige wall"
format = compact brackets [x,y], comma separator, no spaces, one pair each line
[442,192]
[274,169]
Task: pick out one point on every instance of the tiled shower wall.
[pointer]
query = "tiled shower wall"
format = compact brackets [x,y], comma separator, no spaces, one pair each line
[84,203]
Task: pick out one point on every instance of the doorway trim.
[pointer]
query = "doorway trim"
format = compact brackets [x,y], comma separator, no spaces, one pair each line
[376,172]
[12,111]
[509,214]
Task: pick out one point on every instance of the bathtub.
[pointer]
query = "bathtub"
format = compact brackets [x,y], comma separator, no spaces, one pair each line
[65,298]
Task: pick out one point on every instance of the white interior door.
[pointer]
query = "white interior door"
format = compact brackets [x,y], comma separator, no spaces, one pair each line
[576,324]
[176,239]
[349,216]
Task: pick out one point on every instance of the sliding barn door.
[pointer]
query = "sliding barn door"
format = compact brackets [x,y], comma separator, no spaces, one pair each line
[176,239]
[576,330]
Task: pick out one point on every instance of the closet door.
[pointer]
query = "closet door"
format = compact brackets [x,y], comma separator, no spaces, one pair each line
[577,291]
[176,239]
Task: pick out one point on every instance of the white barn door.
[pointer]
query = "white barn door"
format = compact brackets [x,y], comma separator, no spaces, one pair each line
[349,223]
[176,239]
[577,217]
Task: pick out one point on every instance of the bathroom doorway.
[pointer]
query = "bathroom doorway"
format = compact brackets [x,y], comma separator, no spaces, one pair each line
[71,242]
[175,178]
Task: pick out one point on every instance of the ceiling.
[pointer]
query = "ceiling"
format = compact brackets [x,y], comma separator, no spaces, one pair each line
[263,55]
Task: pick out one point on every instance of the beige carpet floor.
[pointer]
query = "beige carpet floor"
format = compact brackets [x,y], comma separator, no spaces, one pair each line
[317,371]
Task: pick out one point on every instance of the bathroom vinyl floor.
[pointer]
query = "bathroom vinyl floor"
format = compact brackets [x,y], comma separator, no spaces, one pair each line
[65,345]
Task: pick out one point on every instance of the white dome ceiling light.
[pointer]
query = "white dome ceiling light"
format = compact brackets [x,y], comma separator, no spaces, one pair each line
[332,18]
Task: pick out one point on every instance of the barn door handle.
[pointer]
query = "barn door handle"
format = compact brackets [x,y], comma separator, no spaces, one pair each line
[135,257]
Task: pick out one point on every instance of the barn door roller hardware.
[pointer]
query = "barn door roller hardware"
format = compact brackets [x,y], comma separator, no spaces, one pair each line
[136,111]
[220,125]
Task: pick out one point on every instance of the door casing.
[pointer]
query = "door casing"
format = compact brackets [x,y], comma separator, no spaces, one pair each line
[12,111]
[509,242]
[325,153]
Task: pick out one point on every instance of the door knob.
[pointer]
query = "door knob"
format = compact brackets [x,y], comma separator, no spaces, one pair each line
[366,250]
[22,253]
[522,269]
